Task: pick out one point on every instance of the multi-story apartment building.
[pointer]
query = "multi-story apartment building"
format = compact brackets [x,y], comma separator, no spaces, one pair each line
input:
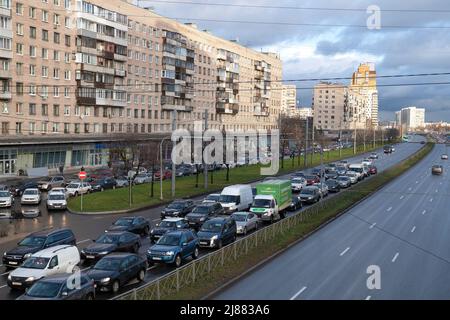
[410,118]
[78,74]
[289,100]
[364,81]
[337,107]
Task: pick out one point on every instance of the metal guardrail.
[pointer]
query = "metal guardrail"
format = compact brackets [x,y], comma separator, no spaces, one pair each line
[198,269]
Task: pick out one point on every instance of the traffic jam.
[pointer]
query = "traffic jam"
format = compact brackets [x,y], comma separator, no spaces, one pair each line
[43,264]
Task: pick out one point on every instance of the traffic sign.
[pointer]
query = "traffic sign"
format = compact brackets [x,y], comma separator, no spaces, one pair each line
[82,175]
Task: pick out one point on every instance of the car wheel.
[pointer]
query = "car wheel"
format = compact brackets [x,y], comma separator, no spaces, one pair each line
[195,254]
[245,231]
[115,286]
[146,231]
[178,261]
[141,275]
[89,296]
[220,244]
[272,219]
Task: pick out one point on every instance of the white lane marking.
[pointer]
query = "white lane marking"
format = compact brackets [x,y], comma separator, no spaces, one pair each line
[368,298]
[80,242]
[156,220]
[373,226]
[437,190]
[424,212]
[4,274]
[395,257]
[410,189]
[402,197]
[151,268]
[389,209]
[3,286]
[413,229]
[345,251]
[417,182]
[431,200]
[298,293]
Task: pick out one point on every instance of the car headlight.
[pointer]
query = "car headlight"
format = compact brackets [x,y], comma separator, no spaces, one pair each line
[176,213]
[105,280]
[170,253]
[30,279]
[103,253]
[27,255]
[9,277]
[202,219]
[214,238]
[152,231]
[82,251]
[4,253]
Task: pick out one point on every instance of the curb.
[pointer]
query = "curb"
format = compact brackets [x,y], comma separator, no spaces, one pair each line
[299,240]
[154,206]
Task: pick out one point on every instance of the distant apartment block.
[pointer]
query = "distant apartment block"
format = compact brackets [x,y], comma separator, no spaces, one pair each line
[410,118]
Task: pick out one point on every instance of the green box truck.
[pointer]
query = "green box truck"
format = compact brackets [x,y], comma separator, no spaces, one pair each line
[272,199]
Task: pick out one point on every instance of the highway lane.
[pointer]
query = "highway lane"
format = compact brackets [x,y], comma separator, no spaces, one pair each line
[402,229]
[87,228]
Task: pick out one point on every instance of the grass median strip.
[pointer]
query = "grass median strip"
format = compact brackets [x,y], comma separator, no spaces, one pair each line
[322,213]
[117,200]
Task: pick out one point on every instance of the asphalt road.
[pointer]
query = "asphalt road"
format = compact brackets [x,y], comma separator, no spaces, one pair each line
[88,227]
[402,229]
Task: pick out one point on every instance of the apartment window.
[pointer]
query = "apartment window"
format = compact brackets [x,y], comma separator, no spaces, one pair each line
[5,108]
[33,51]
[18,127]
[67,4]
[44,35]
[67,110]
[32,69]
[55,127]
[56,19]
[32,32]
[32,129]
[32,109]
[67,41]
[19,108]
[56,55]
[19,9]
[44,91]
[56,110]
[56,91]
[66,92]
[19,68]
[44,110]
[77,111]
[86,128]
[55,73]
[66,128]
[5,128]
[19,29]
[67,57]
[45,72]
[67,74]
[44,16]
[19,48]
[44,127]
[19,88]
[32,12]
[56,37]
[67,22]
[44,53]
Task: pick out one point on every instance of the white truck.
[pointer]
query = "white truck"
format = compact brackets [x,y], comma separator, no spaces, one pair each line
[236,198]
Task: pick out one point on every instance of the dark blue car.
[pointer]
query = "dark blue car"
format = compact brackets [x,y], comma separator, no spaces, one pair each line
[174,247]
[217,232]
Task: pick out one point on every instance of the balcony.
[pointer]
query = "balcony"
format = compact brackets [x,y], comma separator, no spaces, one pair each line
[110,102]
[5,74]
[5,95]
[120,73]
[225,108]
[6,54]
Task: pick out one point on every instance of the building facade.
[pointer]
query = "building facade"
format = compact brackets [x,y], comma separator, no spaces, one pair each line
[95,70]
[410,118]
[289,100]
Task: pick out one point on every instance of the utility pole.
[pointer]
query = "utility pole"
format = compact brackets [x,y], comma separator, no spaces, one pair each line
[364,139]
[354,140]
[205,167]
[312,144]
[174,168]
[374,137]
[306,142]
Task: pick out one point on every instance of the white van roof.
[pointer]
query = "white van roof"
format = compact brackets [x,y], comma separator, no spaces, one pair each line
[235,190]
[50,252]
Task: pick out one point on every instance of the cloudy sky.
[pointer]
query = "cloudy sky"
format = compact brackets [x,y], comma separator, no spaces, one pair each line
[336,51]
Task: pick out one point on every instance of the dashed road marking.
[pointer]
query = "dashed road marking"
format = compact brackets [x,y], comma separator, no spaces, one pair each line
[345,251]
[413,229]
[389,209]
[151,268]
[295,296]
[402,197]
[373,226]
[395,257]
[3,286]
[410,189]
[424,212]
[368,298]
[431,200]
[83,241]
[156,220]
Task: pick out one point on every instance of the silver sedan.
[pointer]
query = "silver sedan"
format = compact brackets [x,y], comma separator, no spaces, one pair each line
[246,221]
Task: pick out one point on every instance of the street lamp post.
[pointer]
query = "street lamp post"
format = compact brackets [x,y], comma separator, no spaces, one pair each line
[161,168]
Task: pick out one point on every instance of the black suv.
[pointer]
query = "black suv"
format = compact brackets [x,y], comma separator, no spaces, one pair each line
[177,209]
[204,212]
[137,225]
[35,242]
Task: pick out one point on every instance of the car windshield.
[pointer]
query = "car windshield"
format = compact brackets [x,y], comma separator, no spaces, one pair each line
[56,197]
[36,263]
[228,199]
[124,222]
[240,217]
[4,194]
[32,242]
[44,289]
[108,238]
[46,179]
[307,191]
[261,203]
[168,224]
[343,178]
[298,180]
[311,177]
[169,240]
[30,192]
[108,264]
[213,197]
[176,205]
[201,210]
[73,186]
[211,226]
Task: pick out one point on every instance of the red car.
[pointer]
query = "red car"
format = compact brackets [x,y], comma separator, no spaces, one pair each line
[101,173]
[312,179]
[167,174]
[373,170]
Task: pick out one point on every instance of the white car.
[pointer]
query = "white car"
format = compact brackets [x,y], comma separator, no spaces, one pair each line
[367,162]
[444,157]
[353,176]
[31,196]
[6,199]
[298,183]
[76,188]
[212,198]
[143,178]
[323,189]
[44,263]
[56,201]
[59,191]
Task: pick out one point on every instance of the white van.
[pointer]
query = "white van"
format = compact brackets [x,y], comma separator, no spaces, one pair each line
[50,261]
[236,198]
[359,169]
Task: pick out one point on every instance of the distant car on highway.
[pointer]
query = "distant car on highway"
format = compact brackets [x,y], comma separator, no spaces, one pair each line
[6,199]
[136,225]
[117,241]
[246,221]
[51,182]
[333,185]
[60,191]
[344,181]
[437,170]
[373,156]
[323,187]
[373,170]
[444,157]
[367,162]
[178,208]
[310,194]
[31,196]
[116,270]
[297,184]
[354,176]
[215,197]
[312,179]
[167,225]
[217,232]
[19,189]
[388,149]
[295,204]
[203,213]
[56,201]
